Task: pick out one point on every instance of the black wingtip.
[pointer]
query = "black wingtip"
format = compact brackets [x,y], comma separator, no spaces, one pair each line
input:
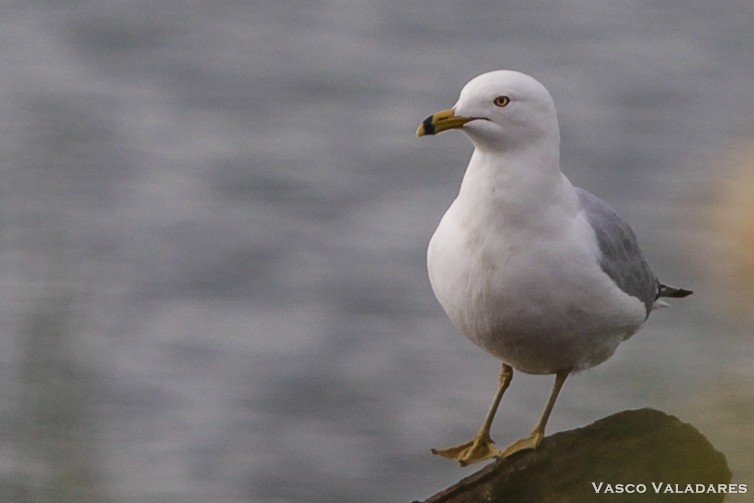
[673,292]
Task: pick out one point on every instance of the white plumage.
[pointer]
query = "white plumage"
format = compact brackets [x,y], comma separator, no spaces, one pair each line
[543,275]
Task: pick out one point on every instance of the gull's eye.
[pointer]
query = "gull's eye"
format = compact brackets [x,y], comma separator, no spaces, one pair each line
[501,101]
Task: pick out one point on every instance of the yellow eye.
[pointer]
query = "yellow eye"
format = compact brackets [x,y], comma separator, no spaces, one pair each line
[501,101]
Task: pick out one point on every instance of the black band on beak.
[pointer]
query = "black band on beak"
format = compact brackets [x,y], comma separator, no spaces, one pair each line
[429,127]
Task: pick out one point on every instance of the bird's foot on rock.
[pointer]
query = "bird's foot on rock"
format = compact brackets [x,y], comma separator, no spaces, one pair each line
[481,447]
[523,444]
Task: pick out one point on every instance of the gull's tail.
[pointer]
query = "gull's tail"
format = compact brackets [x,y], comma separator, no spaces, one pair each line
[668,291]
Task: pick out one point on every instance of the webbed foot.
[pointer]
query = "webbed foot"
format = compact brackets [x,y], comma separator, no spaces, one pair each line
[523,444]
[480,448]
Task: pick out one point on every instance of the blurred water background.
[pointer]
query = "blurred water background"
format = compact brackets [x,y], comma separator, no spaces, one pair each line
[213,222]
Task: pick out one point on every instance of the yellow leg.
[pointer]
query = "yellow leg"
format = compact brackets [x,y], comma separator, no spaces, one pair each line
[480,447]
[533,440]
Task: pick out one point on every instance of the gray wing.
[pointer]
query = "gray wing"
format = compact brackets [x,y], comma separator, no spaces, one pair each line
[622,259]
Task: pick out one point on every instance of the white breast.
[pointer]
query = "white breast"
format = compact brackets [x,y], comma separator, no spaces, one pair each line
[526,293]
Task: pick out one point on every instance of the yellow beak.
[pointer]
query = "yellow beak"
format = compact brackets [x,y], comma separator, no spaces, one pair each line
[441,121]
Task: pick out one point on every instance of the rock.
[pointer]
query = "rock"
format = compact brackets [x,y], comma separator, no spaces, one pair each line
[638,455]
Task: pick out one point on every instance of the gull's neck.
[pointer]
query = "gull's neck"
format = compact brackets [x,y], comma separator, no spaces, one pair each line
[520,188]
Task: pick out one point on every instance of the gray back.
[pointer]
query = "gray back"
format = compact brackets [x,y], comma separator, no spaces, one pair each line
[622,259]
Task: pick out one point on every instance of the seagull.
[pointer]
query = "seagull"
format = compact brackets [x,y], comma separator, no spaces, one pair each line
[543,275]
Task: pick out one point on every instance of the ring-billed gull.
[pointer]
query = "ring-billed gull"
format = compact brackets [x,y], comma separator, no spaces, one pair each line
[543,275]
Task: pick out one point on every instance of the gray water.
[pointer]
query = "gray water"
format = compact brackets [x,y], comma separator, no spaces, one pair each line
[213,220]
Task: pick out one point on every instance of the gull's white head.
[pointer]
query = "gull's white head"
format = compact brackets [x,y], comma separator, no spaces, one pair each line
[502,111]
